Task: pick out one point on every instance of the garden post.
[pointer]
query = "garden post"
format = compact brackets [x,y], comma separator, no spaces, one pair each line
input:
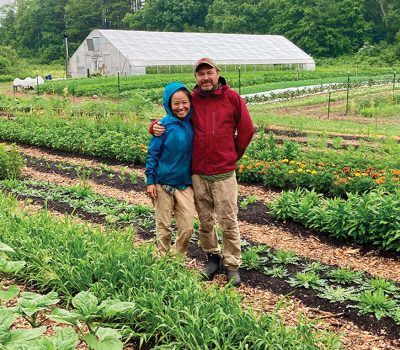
[239,79]
[37,82]
[119,88]
[329,102]
[347,94]
[394,83]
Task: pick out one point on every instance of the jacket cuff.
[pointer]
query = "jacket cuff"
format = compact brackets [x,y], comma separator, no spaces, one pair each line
[150,180]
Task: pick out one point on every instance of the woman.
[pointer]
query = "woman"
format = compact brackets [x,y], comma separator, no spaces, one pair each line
[168,171]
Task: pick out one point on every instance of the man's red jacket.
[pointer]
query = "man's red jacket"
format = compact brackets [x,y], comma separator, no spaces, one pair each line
[222,129]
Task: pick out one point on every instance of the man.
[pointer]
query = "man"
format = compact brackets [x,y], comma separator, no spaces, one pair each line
[222,131]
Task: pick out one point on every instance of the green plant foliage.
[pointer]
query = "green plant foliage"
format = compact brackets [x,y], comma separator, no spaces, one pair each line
[376,302]
[285,257]
[307,280]
[372,217]
[11,162]
[379,283]
[345,276]
[169,300]
[338,294]
[276,271]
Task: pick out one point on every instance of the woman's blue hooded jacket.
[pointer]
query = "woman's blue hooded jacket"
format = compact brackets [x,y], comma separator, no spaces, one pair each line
[170,155]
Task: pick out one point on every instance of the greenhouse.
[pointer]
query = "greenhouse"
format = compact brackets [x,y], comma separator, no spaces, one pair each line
[127,52]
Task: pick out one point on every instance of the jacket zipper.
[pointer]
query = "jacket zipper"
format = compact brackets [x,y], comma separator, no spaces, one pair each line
[213,123]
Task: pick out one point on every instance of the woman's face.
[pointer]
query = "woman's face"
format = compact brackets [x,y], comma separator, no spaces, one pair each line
[180,104]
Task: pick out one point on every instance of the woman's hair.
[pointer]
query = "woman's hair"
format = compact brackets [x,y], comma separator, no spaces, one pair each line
[186,91]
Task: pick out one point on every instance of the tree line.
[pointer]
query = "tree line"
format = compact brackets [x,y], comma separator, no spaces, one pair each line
[323,28]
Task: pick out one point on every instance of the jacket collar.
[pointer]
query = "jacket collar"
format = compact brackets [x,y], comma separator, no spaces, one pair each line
[222,85]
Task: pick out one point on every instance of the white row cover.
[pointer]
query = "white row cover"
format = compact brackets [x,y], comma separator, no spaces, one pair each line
[28,82]
[129,52]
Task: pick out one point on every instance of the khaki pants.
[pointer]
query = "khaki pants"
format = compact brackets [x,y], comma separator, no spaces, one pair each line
[218,200]
[182,206]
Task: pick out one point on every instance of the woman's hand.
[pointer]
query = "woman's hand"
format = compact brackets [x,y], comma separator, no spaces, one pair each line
[151,191]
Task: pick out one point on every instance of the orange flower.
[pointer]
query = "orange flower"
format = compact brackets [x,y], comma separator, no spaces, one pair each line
[249,167]
[380,181]
[395,172]
[346,169]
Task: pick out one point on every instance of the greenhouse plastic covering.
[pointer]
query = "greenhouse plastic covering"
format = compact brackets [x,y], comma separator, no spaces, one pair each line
[165,48]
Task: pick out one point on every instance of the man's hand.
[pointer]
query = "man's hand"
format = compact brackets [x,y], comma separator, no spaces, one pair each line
[158,129]
[151,191]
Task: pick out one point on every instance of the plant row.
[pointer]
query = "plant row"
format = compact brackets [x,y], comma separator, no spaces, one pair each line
[135,105]
[113,138]
[109,85]
[172,308]
[371,218]
[320,88]
[124,178]
[81,197]
[378,296]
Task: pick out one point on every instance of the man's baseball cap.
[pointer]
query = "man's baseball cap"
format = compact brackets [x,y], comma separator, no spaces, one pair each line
[207,61]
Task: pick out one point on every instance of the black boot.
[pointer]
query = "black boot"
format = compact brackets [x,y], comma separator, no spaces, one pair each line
[212,267]
[233,277]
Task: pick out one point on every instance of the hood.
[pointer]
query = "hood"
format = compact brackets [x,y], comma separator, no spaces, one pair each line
[169,90]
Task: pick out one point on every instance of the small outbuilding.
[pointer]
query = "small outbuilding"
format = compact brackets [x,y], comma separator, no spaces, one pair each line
[129,52]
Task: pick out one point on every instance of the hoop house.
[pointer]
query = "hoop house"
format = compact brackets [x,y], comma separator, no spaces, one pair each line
[130,52]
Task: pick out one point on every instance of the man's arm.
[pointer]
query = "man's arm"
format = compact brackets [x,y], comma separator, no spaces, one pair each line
[156,128]
[244,126]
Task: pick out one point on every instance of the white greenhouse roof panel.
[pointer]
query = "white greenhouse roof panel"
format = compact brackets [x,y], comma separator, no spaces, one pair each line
[168,48]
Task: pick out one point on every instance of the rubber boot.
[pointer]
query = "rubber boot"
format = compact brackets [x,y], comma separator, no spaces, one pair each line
[212,267]
[233,277]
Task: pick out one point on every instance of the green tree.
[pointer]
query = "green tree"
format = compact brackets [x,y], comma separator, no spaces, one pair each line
[171,15]
[253,17]
[322,27]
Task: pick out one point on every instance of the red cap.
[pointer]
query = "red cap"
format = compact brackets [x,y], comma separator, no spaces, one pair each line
[205,60]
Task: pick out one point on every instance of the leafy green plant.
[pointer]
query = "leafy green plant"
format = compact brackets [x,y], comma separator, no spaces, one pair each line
[379,283]
[31,304]
[285,257]
[307,280]
[250,258]
[243,204]
[16,338]
[92,313]
[375,302]
[276,271]
[314,266]
[345,276]
[11,162]
[338,294]
[133,177]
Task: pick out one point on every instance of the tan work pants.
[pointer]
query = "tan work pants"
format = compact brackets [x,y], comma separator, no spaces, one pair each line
[218,200]
[182,206]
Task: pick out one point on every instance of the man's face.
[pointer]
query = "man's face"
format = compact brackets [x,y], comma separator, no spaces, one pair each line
[207,78]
